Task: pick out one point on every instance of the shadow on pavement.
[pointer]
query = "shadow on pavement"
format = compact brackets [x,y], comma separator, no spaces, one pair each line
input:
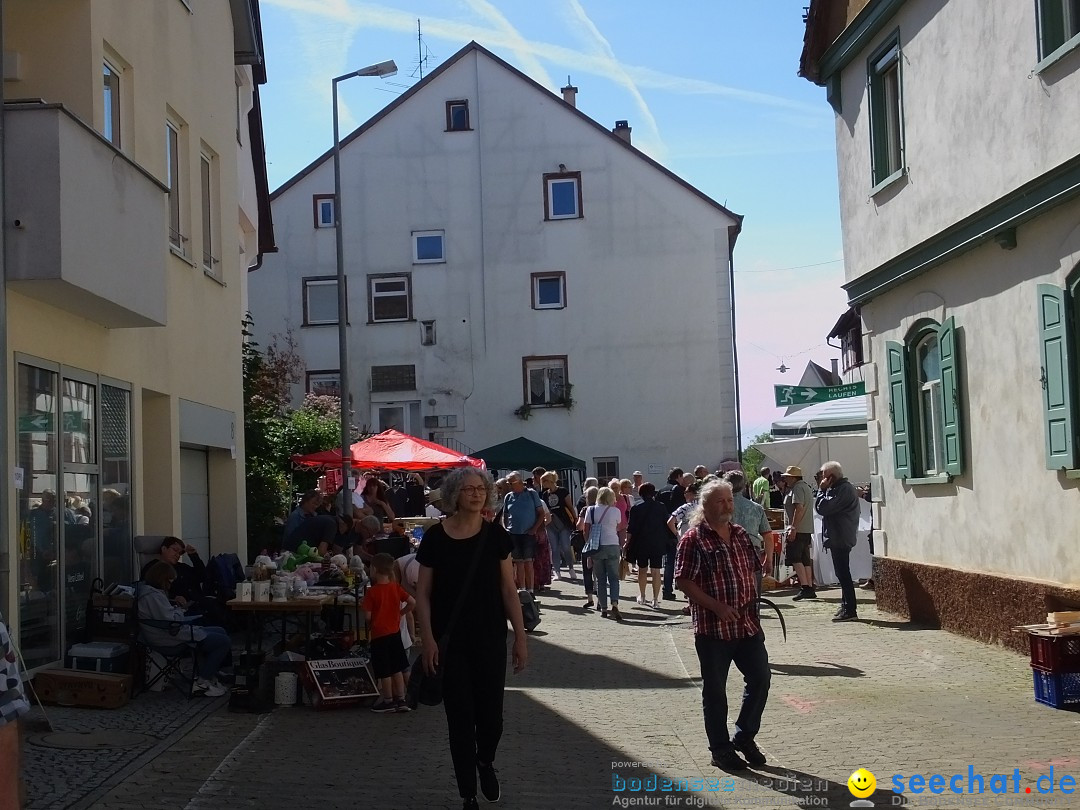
[908,625]
[825,670]
[808,789]
[603,672]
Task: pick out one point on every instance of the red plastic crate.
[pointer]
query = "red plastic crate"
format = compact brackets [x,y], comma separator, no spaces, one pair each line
[1058,654]
[1060,691]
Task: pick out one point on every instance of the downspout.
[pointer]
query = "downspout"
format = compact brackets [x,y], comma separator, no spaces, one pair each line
[5,400]
[734,345]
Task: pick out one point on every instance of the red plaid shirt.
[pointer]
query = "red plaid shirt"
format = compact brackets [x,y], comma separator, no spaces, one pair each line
[726,571]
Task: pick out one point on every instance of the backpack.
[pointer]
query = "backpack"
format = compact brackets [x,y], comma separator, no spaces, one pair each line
[222,573]
[530,610]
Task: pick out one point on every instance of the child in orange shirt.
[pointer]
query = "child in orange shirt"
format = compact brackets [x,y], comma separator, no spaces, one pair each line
[383,609]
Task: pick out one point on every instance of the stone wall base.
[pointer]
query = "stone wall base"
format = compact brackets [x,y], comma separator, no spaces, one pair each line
[981,606]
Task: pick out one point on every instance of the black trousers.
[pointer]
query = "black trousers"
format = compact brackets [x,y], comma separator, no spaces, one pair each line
[474,677]
[841,558]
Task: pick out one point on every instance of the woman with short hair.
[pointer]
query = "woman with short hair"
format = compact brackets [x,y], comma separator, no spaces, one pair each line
[646,542]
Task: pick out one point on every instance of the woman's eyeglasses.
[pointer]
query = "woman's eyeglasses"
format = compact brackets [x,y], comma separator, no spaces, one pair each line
[474,490]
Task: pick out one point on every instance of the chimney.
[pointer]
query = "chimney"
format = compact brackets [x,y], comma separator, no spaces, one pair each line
[835,369]
[622,130]
[569,93]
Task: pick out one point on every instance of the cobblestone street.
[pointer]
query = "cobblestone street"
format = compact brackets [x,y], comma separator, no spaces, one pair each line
[597,695]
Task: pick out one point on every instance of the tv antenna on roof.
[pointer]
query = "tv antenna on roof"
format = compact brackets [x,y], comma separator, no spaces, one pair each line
[422,53]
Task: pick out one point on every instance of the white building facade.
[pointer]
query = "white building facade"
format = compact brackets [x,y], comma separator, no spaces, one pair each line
[513,268]
[959,180]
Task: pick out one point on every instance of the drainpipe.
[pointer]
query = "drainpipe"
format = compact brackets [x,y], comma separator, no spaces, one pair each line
[5,401]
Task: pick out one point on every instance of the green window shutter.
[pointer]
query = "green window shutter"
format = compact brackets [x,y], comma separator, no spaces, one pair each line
[1056,382]
[952,422]
[896,361]
[1051,26]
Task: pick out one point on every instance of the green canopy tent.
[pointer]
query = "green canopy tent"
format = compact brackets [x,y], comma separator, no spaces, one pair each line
[524,454]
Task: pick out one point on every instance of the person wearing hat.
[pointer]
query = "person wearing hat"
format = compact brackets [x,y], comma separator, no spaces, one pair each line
[639,479]
[799,531]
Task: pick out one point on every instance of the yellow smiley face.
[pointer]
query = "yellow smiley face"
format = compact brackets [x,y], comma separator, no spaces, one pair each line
[861,783]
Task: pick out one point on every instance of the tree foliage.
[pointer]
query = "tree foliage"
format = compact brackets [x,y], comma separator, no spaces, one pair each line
[273,431]
[752,457]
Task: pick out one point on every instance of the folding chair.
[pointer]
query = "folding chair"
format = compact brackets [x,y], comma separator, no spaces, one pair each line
[174,655]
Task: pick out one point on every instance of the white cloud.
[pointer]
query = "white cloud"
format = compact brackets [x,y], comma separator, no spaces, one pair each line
[520,46]
[580,21]
[373,16]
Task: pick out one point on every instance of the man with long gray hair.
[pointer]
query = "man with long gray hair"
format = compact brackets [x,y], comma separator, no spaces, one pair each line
[716,567]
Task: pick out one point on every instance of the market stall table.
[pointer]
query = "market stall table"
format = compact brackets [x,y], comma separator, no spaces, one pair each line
[259,612]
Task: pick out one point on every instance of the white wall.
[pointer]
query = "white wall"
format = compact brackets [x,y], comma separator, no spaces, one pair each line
[1006,514]
[647,327]
[977,123]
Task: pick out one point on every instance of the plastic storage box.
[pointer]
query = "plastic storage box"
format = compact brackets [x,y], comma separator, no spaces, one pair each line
[1060,691]
[1055,654]
[99,656]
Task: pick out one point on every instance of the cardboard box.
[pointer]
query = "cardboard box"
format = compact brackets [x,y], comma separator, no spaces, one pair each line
[71,687]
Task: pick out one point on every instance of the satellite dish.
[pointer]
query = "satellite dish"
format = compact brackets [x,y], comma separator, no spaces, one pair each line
[782,368]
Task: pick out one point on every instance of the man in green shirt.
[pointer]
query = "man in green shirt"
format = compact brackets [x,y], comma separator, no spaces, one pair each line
[761,487]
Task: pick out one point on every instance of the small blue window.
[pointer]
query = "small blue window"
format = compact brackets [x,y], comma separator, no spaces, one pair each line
[428,247]
[457,116]
[562,195]
[549,290]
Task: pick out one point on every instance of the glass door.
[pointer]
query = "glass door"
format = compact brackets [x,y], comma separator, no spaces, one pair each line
[80,528]
[36,479]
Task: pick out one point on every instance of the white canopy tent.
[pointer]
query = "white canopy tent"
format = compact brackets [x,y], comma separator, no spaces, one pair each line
[807,438]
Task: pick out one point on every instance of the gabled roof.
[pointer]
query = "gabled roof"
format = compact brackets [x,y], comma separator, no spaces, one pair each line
[433,76]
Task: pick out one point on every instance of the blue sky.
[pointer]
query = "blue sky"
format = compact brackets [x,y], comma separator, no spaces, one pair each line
[709,87]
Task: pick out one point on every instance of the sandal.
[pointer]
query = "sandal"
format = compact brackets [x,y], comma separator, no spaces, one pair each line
[589,605]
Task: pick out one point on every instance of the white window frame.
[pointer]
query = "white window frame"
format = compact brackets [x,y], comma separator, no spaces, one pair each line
[321,378]
[323,210]
[209,211]
[550,181]
[598,460]
[373,293]
[1067,20]
[322,283]
[548,362]
[417,236]
[929,419]
[111,100]
[559,276]
[176,180]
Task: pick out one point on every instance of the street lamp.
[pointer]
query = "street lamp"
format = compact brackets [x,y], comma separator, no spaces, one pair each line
[381,69]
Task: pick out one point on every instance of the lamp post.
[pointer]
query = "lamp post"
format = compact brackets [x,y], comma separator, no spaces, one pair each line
[381,69]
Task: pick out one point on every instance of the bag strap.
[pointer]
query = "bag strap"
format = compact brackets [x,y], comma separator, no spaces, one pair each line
[455,614]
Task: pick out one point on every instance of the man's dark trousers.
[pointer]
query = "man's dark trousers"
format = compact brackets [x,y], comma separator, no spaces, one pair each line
[752,660]
[842,565]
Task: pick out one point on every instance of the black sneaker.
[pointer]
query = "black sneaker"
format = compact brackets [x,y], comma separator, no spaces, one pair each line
[470,804]
[728,760]
[845,617]
[750,750]
[489,782]
[381,706]
[670,597]
[400,705]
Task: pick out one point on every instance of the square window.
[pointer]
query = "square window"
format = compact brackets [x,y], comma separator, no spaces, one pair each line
[324,383]
[562,195]
[545,381]
[457,116]
[323,210]
[321,300]
[1059,21]
[389,298]
[549,290]
[428,247]
[886,112]
[607,467]
[393,378]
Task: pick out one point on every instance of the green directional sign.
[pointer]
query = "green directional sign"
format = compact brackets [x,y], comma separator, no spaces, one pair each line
[807,394]
[42,422]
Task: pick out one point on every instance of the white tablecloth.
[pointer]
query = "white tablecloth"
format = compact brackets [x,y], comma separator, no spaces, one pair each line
[860,559]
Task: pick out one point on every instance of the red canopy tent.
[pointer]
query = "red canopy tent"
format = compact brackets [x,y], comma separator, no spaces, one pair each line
[391,451]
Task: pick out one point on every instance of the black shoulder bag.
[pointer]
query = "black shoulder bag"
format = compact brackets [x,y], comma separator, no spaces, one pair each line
[428,689]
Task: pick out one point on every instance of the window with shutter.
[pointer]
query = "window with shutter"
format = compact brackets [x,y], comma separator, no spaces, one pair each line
[952,435]
[896,359]
[1056,378]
